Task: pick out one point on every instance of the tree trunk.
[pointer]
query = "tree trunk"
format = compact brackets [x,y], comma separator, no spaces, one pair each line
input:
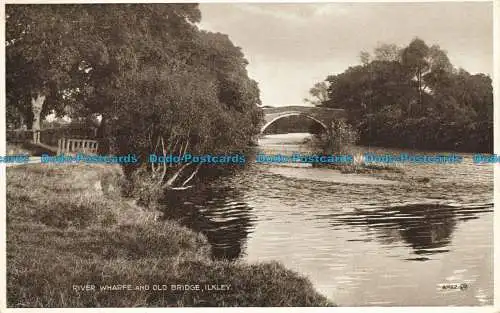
[102,136]
[36,107]
[420,89]
[22,122]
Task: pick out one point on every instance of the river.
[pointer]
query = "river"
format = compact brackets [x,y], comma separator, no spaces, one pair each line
[362,241]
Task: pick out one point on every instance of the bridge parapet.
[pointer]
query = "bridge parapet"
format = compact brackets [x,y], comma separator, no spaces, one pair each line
[300,108]
[321,115]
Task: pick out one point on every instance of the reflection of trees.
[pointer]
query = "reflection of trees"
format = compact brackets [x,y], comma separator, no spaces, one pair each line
[217,212]
[431,227]
[424,227]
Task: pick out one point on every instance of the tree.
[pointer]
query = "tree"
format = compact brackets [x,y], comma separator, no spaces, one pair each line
[38,59]
[429,66]
[414,59]
[199,99]
[365,57]
[387,52]
[319,94]
[160,84]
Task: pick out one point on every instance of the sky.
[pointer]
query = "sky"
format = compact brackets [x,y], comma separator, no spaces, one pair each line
[292,46]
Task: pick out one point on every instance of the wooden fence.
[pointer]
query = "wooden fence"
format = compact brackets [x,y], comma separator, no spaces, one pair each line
[56,139]
[51,136]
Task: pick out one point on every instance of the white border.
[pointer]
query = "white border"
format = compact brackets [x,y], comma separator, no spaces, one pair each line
[496,137]
[496,85]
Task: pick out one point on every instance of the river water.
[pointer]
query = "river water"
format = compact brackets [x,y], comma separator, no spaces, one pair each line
[362,241]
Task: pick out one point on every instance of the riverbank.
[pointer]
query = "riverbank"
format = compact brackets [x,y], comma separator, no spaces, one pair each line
[68,226]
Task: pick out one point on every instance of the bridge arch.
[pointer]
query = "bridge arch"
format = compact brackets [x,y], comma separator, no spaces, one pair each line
[287,114]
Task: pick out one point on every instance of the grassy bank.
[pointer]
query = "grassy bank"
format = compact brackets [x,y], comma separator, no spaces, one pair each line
[68,225]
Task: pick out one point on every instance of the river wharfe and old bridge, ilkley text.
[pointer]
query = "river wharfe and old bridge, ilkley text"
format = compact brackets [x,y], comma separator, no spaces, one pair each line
[152,287]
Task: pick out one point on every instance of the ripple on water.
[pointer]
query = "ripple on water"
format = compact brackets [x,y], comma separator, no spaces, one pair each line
[331,176]
[361,240]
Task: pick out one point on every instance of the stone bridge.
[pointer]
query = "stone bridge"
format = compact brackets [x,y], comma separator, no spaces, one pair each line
[323,116]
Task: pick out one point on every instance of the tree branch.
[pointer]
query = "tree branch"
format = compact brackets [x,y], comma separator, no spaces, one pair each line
[192,175]
[153,166]
[172,179]
[163,163]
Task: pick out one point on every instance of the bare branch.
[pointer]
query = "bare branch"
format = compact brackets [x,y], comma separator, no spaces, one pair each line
[164,151]
[151,145]
[187,143]
[157,143]
[185,148]
[180,188]
[164,165]
[171,141]
[173,149]
[153,166]
[172,179]
[180,150]
[192,175]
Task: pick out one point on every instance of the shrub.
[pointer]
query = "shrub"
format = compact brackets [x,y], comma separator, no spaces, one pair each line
[338,138]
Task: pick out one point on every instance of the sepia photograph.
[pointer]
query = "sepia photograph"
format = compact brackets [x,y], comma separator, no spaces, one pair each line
[316,154]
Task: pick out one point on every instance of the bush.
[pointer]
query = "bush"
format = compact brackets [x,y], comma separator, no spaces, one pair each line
[337,139]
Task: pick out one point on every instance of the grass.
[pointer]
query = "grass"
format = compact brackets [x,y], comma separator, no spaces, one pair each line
[68,225]
[17,148]
[26,148]
[358,166]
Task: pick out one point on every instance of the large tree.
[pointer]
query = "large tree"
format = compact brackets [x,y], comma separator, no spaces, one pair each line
[160,84]
[39,60]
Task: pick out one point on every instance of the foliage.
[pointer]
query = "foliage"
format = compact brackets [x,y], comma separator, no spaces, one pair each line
[147,69]
[338,138]
[413,97]
[39,59]
[319,93]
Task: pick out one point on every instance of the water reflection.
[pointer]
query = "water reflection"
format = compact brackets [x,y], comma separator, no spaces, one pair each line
[426,228]
[218,212]
[360,243]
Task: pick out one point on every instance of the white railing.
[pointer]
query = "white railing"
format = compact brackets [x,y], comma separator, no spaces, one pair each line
[69,146]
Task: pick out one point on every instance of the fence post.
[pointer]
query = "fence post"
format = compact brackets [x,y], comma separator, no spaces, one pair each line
[36,136]
[63,146]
